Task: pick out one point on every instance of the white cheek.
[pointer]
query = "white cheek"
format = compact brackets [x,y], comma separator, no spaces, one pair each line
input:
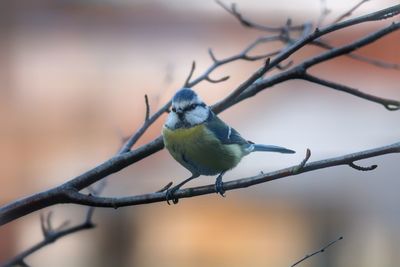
[197,116]
[172,120]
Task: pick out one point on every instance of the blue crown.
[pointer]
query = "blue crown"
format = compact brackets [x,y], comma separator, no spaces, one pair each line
[185,94]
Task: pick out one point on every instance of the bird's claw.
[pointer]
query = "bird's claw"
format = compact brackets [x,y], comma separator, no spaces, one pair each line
[169,196]
[219,186]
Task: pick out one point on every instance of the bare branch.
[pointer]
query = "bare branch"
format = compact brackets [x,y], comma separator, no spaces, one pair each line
[316,252]
[285,66]
[222,79]
[349,12]
[135,137]
[303,163]
[361,168]
[166,187]
[50,238]
[232,96]
[187,81]
[61,194]
[243,55]
[299,72]
[248,23]
[69,191]
[146,100]
[387,103]
[352,46]
[212,56]
[113,202]
[324,13]
[375,62]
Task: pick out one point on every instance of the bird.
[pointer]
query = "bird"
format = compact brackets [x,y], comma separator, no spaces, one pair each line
[202,143]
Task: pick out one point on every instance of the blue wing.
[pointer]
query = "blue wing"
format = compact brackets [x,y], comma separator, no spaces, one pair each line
[226,134]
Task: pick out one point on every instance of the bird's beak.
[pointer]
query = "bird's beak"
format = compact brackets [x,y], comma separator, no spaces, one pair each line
[179,112]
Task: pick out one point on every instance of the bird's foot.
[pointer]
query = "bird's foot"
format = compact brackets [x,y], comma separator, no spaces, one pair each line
[219,186]
[169,195]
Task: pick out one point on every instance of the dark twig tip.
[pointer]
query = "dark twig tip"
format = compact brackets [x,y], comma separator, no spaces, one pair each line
[213,58]
[323,249]
[361,168]
[146,100]
[300,167]
[211,80]
[189,77]
[166,187]
[392,106]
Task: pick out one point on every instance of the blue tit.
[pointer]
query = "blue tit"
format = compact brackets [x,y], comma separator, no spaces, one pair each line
[202,143]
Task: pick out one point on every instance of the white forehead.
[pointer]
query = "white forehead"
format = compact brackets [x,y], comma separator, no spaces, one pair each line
[187,102]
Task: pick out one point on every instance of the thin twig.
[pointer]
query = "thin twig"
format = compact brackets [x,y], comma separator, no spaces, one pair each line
[319,42]
[349,12]
[372,61]
[361,168]
[125,157]
[299,72]
[316,252]
[50,234]
[303,163]
[187,81]
[323,14]
[55,195]
[248,23]
[242,55]
[146,100]
[166,187]
[389,104]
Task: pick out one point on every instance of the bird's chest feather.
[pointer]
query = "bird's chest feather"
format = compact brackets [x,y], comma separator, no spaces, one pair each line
[200,151]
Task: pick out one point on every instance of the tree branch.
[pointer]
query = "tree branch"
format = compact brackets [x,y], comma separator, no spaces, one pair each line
[58,194]
[316,252]
[387,103]
[248,23]
[299,71]
[116,202]
[50,238]
[349,12]
[324,12]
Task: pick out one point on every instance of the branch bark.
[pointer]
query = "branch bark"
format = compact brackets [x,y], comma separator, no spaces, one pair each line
[110,202]
[62,193]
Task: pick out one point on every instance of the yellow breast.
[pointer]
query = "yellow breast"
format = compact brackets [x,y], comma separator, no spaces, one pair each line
[198,150]
[182,135]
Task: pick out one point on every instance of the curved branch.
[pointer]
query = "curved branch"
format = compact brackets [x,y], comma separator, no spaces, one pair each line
[389,104]
[316,252]
[61,194]
[248,23]
[48,239]
[299,71]
[111,202]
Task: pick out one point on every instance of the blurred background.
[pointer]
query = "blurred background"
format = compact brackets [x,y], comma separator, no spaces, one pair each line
[72,83]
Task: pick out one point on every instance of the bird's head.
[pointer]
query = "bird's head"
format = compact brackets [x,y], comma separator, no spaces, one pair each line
[187,110]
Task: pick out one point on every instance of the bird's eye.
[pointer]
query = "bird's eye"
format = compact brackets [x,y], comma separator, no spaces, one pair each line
[192,106]
[173,109]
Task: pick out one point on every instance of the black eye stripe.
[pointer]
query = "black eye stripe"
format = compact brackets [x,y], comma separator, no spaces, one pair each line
[190,107]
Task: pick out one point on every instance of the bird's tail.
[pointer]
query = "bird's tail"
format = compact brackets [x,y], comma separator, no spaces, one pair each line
[271,148]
